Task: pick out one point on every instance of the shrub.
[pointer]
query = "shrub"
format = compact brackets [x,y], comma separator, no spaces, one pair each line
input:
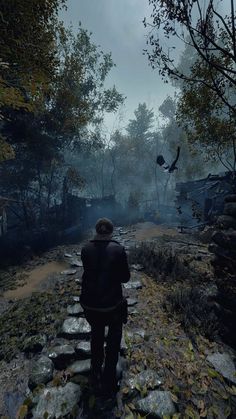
[158,262]
[195,312]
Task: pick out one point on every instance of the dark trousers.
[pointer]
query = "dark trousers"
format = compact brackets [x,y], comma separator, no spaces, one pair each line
[98,321]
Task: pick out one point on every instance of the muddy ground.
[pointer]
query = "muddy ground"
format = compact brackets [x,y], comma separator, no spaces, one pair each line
[34,298]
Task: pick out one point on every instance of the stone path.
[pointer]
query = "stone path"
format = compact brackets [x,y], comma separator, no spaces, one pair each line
[69,360]
[164,374]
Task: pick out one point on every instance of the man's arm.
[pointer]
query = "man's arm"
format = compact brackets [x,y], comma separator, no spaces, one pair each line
[124,267]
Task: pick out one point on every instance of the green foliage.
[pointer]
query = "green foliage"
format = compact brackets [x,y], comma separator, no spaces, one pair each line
[58,90]
[28,49]
[78,96]
[206,120]
[139,128]
[6,151]
[208,31]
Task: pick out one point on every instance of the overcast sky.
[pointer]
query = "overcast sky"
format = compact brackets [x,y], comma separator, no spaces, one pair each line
[117,27]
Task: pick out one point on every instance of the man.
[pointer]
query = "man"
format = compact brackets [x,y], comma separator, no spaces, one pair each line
[105,268]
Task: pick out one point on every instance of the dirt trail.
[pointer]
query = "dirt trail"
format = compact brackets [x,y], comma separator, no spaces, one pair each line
[196,388]
[34,279]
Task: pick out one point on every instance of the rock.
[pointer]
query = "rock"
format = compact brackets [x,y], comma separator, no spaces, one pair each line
[230,198]
[225,239]
[133,285]
[67,255]
[69,272]
[148,378]
[121,366]
[230,209]
[75,310]
[137,267]
[222,253]
[131,301]
[123,346]
[224,365]
[73,327]
[78,253]
[78,280]
[76,298]
[83,348]
[80,367]
[226,221]
[206,234]
[157,404]
[132,311]
[41,371]
[139,332]
[35,343]
[77,263]
[60,355]
[57,402]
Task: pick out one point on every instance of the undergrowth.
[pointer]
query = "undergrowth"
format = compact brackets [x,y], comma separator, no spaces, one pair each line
[186,301]
[196,314]
[161,263]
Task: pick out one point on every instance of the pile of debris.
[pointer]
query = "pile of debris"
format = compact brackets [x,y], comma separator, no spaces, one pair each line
[224,248]
[224,238]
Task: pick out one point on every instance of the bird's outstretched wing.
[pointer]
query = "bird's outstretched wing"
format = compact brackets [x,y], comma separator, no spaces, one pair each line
[160,160]
[173,165]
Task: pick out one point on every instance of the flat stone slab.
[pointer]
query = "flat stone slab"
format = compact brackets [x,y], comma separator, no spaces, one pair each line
[83,348]
[69,272]
[61,354]
[131,301]
[137,267]
[68,255]
[41,371]
[76,263]
[76,298]
[157,403]
[132,311]
[148,378]
[57,402]
[80,367]
[75,310]
[74,326]
[223,364]
[133,285]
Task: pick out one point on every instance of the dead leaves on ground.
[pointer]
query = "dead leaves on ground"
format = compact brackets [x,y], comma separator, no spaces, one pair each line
[186,373]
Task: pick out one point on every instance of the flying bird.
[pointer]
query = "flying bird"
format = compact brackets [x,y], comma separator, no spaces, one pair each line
[170,168]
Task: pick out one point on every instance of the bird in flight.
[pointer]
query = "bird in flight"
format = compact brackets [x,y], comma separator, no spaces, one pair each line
[168,167]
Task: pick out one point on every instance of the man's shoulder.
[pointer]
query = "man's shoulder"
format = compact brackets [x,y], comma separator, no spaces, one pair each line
[111,244]
[116,246]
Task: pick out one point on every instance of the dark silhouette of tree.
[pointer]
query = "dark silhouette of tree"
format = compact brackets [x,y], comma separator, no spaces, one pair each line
[203,27]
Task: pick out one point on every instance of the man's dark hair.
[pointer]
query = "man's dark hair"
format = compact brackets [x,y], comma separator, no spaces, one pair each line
[104,226]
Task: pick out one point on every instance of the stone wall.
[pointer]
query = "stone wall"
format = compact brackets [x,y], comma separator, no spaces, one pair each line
[224,248]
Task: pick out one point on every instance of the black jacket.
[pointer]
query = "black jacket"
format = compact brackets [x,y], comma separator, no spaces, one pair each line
[105,268]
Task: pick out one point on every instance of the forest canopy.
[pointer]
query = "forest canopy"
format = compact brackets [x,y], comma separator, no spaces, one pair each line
[52,97]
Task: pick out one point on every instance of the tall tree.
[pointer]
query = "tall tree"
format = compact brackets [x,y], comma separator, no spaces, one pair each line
[64,97]
[202,26]
[28,32]
[139,127]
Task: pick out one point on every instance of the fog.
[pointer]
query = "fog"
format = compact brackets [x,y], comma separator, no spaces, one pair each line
[117,26]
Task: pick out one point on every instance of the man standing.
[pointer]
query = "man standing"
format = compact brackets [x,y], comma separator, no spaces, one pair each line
[105,268]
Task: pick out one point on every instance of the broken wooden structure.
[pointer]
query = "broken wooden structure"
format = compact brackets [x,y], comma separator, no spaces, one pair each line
[201,201]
